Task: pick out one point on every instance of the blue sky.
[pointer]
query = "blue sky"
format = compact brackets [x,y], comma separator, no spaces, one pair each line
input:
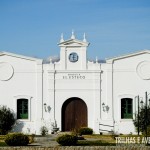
[113,27]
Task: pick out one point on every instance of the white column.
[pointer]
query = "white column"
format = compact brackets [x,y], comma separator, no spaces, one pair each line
[39,97]
[109,96]
[83,53]
[51,89]
[97,101]
[63,59]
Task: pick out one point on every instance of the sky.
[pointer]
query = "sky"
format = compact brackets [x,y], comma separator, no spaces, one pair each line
[112,27]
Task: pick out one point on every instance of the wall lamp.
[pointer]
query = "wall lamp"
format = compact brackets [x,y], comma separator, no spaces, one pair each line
[47,108]
[105,107]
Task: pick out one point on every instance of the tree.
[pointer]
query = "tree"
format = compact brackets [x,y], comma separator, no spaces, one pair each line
[7,119]
[142,120]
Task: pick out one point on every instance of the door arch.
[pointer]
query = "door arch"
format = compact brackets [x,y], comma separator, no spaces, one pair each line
[74,114]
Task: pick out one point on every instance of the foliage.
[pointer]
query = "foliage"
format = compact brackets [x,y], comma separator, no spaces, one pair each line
[17,139]
[2,144]
[31,138]
[75,131]
[2,137]
[144,120]
[85,131]
[67,140]
[148,131]
[7,119]
[44,131]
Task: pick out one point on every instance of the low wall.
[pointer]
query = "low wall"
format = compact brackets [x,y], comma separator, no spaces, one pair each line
[79,148]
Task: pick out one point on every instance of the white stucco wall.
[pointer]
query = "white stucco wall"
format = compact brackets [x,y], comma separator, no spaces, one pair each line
[22,84]
[127,84]
[100,85]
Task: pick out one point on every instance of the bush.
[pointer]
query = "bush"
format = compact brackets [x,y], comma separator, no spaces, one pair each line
[44,131]
[31,138]
[142,121]
[85,131]
[67,140]
[17,139]
[7,120]
[148,131]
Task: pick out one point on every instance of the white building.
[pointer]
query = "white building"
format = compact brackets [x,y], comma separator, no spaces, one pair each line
[73,91]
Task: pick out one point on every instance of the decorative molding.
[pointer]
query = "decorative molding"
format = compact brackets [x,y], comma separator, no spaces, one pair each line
[75,71]
[74,90]
[6,71]
[143,70]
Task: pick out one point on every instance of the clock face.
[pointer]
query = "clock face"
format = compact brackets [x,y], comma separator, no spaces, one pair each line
[73,57]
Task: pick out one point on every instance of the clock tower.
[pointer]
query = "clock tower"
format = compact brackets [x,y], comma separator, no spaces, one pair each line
[73,53]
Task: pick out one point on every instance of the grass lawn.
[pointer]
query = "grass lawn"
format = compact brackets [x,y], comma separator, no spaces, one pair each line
[98,140]
[2,138]
[109,140]
[2,143]
[90,140]
[94,143]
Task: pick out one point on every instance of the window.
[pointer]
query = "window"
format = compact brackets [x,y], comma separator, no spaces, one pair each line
[126,108]
[22,109]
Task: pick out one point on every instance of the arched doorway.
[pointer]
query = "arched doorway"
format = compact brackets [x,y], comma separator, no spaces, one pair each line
[74,114]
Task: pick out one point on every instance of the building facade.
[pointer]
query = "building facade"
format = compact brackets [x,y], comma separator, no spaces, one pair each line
[74,92]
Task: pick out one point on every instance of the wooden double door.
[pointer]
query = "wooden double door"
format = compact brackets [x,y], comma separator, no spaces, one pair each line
[74,114]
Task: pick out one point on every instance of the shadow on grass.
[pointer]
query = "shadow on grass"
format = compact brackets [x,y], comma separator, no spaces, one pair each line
[94,143]
[3,144]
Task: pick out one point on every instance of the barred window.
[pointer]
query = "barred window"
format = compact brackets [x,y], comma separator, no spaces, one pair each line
[22,109]
[126,108]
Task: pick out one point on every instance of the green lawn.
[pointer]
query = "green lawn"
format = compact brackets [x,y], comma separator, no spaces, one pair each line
[98,140]
[89,140]
[110,140]
[94,143]
[2,143]
[2,138]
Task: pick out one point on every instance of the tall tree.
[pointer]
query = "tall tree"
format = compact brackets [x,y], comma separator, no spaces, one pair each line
[142,120]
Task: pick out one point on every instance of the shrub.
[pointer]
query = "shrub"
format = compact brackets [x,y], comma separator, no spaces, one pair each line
[148,131]
[85,131]
[17,139]
[141,120]
[7,119]
[31,138]
[44,131]
[67,140]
